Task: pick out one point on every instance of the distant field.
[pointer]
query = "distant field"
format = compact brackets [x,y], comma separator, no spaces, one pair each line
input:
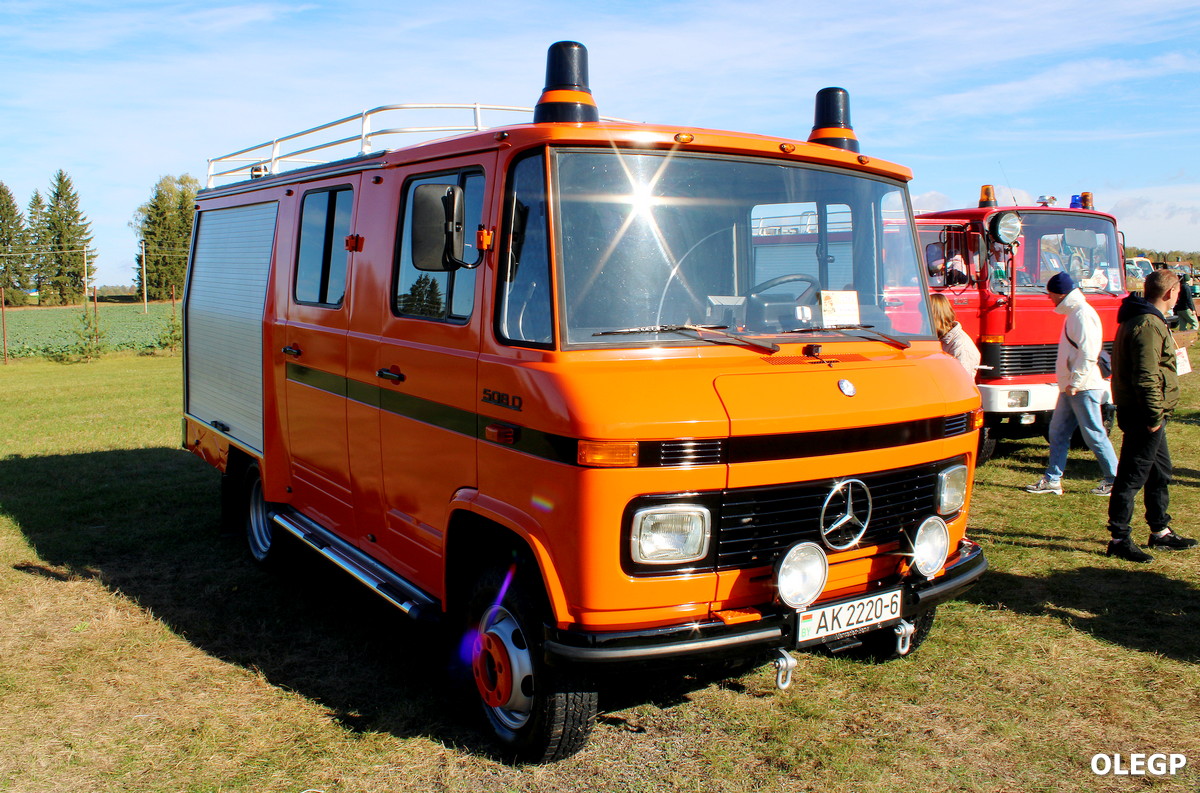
[36,332]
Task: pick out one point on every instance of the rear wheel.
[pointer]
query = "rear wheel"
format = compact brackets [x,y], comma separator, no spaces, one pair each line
[260,530]
[537,713]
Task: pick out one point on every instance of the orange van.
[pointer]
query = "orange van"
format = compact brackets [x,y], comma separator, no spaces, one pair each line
[590,392]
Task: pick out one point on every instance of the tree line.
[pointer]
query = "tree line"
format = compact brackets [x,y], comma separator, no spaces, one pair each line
[46,253]
[47,250]
[1163,256]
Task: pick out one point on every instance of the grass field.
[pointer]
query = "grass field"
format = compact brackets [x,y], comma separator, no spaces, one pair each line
[140,650]
[37,332]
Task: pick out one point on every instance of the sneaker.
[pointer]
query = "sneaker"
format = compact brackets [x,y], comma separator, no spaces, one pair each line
[1171,541]
[1044,485]
[1102,489]
[1125,549]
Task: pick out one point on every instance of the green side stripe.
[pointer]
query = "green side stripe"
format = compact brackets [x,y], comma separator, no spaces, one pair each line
[464,422]
[334,384]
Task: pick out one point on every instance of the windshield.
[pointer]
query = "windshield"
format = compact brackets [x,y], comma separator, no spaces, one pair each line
[651,246]
[1052,242]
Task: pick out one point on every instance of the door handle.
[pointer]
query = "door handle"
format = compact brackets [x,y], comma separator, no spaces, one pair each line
[292,351]
[388,374]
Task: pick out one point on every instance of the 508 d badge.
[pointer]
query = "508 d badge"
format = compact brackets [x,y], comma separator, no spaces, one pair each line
[510,401]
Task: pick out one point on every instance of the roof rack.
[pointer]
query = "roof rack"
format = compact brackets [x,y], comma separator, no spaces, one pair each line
[268,158]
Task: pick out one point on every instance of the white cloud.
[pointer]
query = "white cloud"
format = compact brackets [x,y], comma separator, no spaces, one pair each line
[1164,218]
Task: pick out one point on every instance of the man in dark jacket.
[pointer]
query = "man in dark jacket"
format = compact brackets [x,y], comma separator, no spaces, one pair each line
[1145,387]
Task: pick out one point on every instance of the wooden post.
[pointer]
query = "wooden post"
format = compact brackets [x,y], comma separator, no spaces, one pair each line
[4,323]
[145,301]
[95,316]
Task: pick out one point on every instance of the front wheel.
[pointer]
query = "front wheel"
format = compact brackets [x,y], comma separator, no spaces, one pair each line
[987,445]
[537,713]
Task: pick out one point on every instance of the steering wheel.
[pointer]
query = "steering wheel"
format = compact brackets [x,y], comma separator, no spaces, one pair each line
[771,283]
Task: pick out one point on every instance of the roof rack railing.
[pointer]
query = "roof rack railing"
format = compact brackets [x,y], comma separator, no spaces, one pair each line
[269,158]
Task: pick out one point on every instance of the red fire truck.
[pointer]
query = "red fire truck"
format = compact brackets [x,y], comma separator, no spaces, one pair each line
[593,394]
[993,262]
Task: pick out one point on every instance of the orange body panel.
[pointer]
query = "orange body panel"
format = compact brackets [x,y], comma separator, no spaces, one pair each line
[387,463]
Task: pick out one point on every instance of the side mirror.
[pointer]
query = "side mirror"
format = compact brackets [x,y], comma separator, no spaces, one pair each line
[437,228]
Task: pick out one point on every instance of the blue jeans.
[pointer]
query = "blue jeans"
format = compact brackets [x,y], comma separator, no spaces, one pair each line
[1082,411]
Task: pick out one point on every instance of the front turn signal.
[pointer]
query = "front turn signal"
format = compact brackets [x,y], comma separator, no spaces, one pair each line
[608,454]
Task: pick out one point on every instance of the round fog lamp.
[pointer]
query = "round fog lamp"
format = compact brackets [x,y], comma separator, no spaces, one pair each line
[931,546]
[800,574]
[1006,227]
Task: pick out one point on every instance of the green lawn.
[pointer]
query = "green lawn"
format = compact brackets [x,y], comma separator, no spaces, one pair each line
[143,652]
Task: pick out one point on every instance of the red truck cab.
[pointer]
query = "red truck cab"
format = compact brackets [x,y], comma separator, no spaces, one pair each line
[993,262]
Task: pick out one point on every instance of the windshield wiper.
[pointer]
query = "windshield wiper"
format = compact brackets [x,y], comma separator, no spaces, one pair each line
[699,330]
[892,340]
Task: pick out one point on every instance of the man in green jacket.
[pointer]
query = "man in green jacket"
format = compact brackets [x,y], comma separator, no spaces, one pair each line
[1145,387]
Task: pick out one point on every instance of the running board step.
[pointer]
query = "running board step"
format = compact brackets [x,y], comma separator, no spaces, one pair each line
[407,597]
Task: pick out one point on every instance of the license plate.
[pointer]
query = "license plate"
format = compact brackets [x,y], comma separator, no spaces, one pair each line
[848,618]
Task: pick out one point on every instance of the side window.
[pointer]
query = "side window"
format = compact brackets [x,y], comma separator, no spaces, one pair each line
[440,295]
[321,258]
[947,259]
[525,316]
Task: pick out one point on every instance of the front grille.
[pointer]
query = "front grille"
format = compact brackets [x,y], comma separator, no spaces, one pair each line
[794,445]
[958,425]
[759,523]
[693,452]
[1013,360]
[1024,359]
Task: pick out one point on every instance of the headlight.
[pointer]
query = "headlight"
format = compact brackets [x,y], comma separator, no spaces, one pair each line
[931,546]
[1018,399]
[670,534]
[1006,227]
[952,489]
[800,574]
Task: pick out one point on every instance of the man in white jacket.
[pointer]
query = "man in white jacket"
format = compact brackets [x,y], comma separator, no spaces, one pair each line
[1080,389]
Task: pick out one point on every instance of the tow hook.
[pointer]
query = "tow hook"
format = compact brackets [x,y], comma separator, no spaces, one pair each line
[784,664]
[904,633]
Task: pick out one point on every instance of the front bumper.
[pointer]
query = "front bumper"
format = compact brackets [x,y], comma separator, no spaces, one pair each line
[715,640]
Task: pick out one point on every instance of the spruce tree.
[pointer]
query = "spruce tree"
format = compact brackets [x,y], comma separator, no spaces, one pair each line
[164,224]
[37,268]
[13,250]
[70,244]
[424,298]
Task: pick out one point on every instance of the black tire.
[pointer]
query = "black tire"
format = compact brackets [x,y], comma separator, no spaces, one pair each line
[261,535]
[987,445]
[538,714]
[880,646]
[1108,416]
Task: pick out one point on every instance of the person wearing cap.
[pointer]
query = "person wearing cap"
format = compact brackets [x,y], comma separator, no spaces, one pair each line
[1145,387]
[1081,389]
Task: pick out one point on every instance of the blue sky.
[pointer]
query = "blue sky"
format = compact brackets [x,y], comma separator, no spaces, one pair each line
[1035,96]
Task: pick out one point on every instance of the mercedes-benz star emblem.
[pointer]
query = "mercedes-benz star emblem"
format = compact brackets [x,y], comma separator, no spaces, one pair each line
[847,388]
[846,513]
